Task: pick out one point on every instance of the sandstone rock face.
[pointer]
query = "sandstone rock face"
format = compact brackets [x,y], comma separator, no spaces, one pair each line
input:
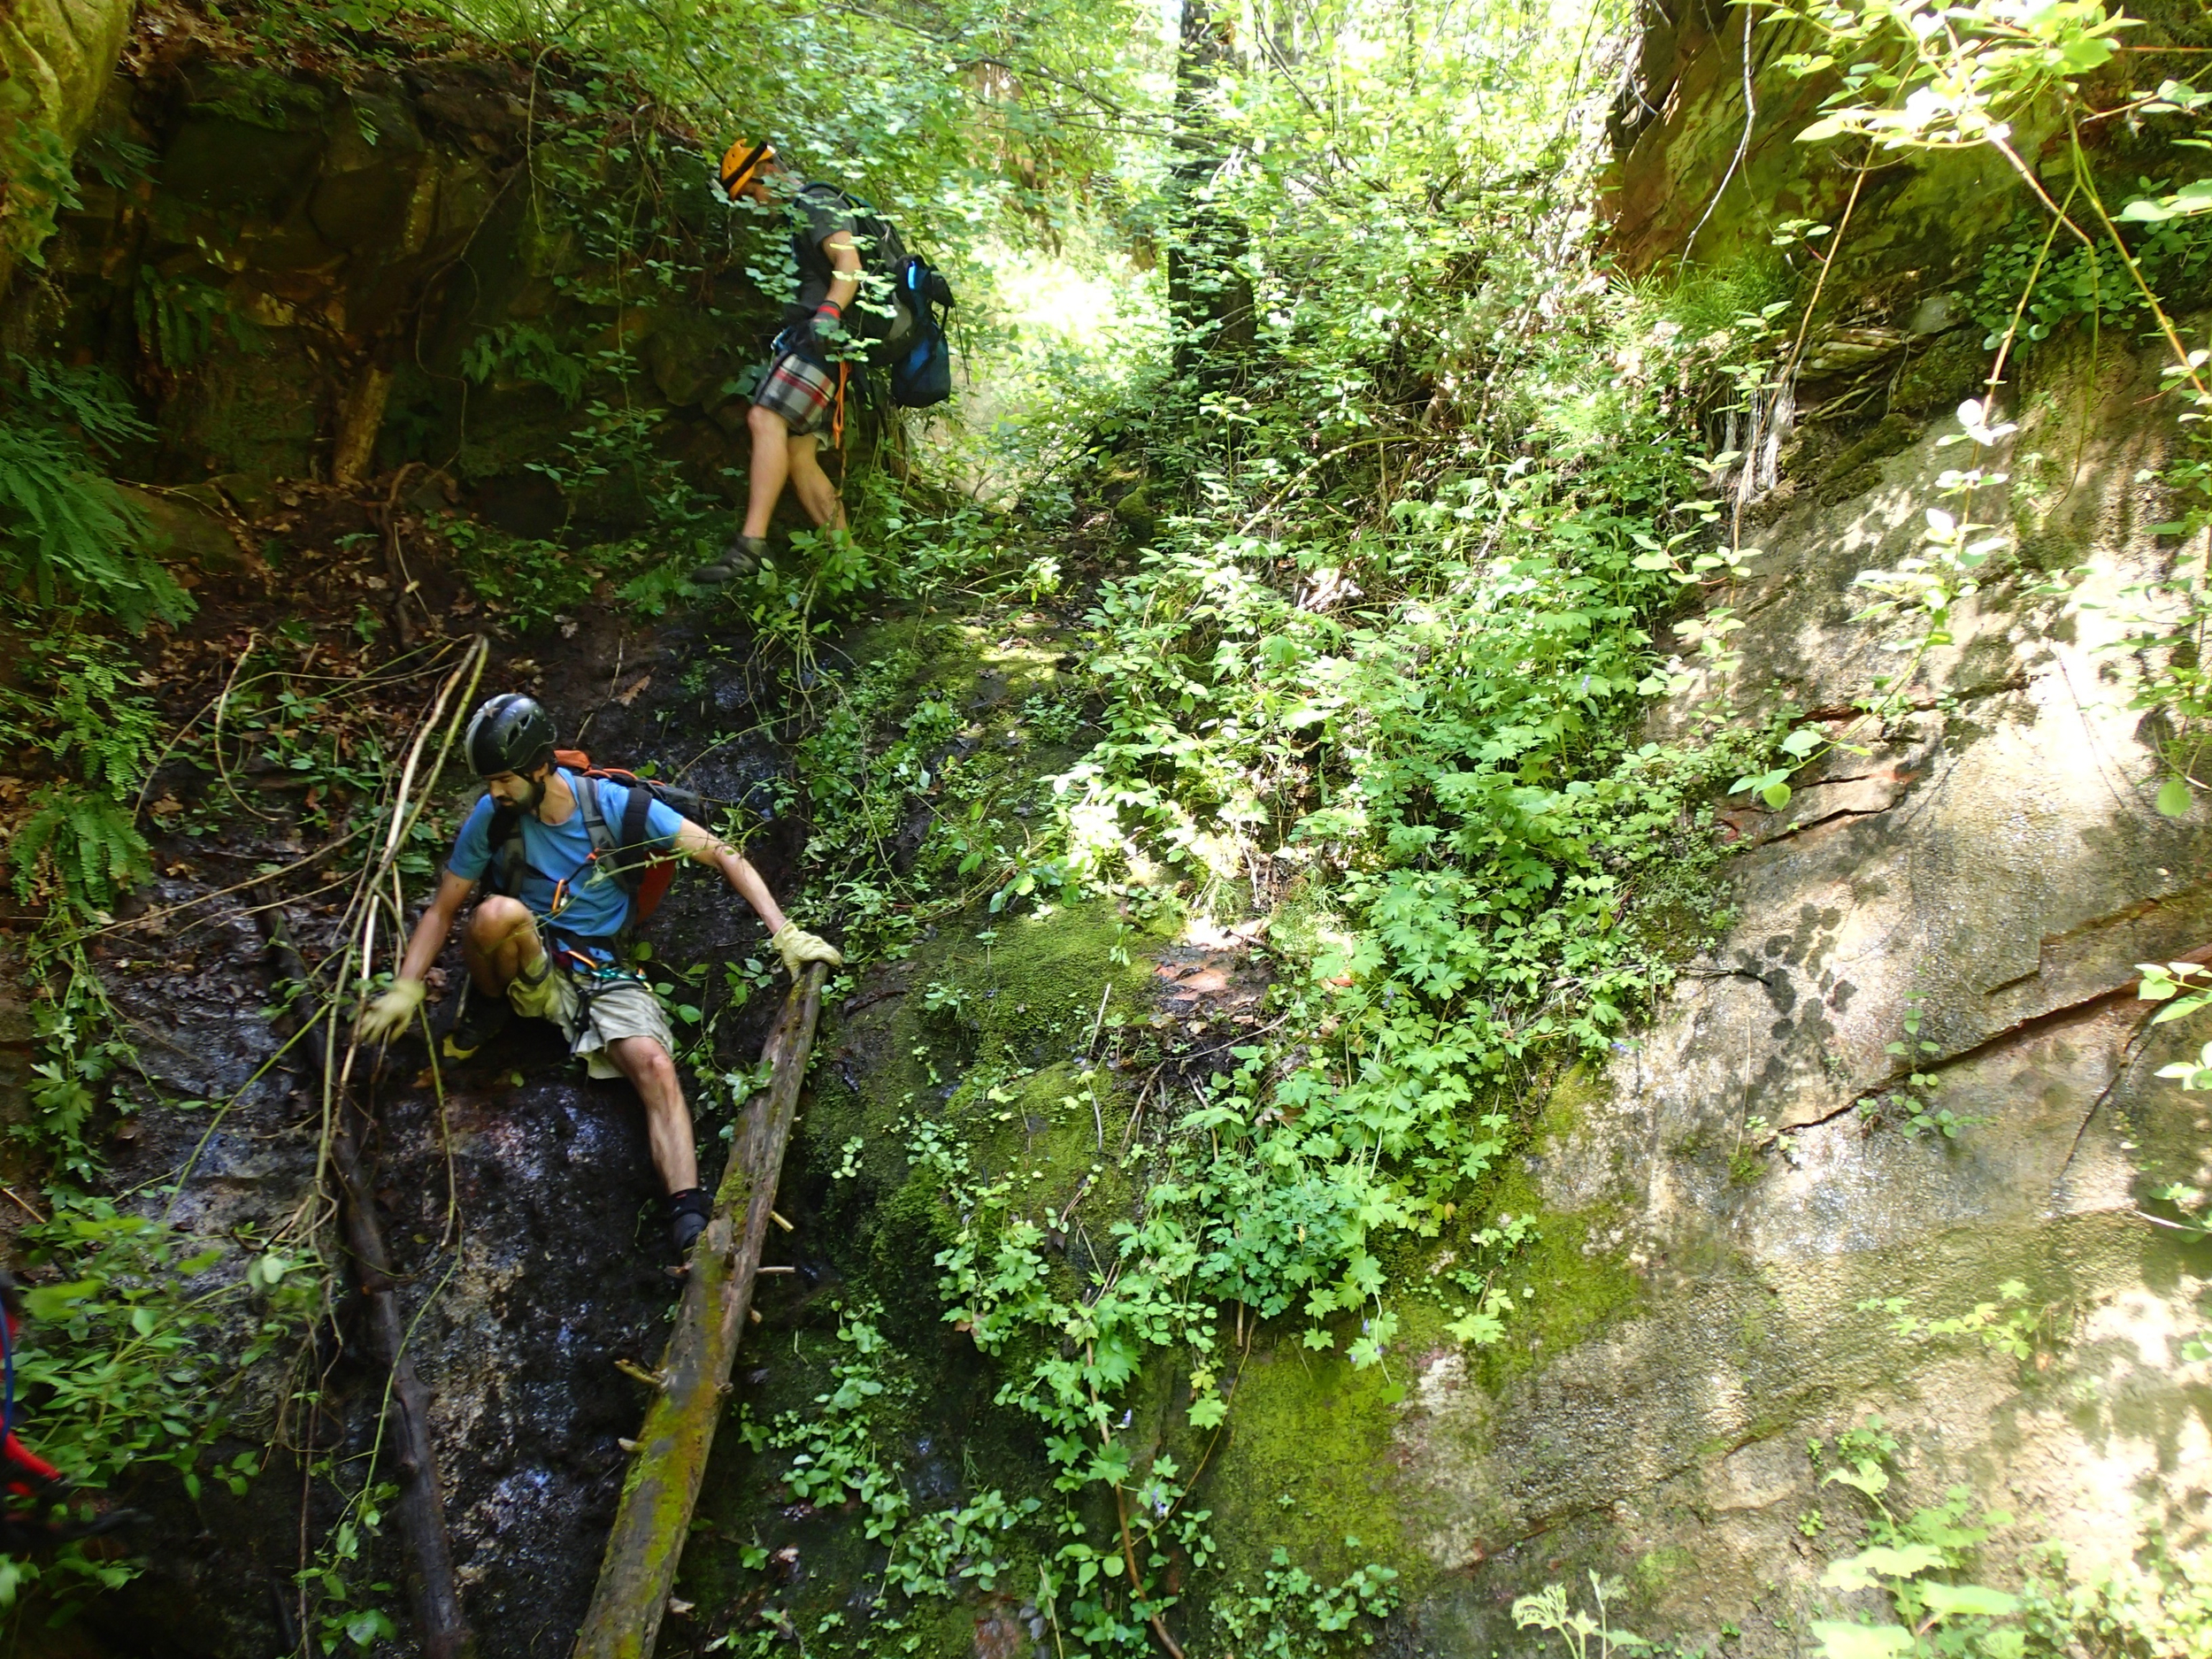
[316,276]
[1992,864]
[1962,890]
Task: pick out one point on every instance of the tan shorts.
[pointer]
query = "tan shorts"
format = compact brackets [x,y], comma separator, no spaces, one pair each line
[591,1013]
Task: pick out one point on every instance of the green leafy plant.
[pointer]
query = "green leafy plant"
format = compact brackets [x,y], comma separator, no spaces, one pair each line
[120,1374]
[2010,1325]
[180,317]
[1910,1105]
[1295,1615]
[82,709]
[78,846]
[42,185]
[837,1457]
[68,534]
[1935,1614]
[2159,1603]
[521,351]
[1551,1610]
[346,1612]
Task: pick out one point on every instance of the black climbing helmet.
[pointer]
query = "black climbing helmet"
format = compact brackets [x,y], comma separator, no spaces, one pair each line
[509,734]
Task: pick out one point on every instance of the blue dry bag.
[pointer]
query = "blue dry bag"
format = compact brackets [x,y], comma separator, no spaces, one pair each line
[921,375]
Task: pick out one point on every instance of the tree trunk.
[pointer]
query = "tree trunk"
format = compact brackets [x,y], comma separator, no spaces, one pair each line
[360,417]
[647,1544]
[1209,294]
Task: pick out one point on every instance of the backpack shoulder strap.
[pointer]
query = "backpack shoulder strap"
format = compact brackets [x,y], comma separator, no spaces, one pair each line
[633,831]
[620,850]
[504,835]
[602,840]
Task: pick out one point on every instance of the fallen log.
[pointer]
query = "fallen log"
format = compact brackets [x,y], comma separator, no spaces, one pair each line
[646,1546]
[440,1624]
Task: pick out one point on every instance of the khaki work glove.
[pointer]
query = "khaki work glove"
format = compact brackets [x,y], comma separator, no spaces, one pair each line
[798,948]
[390,1013]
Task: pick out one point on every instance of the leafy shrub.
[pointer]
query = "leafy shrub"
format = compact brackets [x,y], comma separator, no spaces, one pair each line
[524,352]
[34,161]
[2075,283]
[79,842]
[67,533]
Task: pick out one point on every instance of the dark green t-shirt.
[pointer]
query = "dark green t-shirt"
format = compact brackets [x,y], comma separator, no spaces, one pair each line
[819,211]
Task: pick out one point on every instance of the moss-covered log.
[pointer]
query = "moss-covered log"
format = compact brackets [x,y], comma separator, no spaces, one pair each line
[647,1544]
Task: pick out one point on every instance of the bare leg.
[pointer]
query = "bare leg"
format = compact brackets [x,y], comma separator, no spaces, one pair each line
[500,941]
[667,1119]
[771,464]
[816,493]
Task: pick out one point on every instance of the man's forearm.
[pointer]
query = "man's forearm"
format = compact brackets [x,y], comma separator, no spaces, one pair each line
[704,846]
[845,268]
[748,885]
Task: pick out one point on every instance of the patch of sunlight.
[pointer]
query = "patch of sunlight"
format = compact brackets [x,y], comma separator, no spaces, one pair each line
[2148,1324]
[1055,345]
[1208,934]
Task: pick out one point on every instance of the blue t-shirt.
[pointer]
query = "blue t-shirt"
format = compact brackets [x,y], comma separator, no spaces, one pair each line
[594,903]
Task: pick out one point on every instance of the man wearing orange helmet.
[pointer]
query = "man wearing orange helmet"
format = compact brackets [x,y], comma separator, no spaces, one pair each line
[792,403]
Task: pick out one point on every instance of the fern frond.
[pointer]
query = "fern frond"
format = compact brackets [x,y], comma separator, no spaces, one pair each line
[26,848]
[64,525]
[79,848]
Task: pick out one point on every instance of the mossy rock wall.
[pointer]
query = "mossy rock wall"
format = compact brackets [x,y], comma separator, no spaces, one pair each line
[254,241]
[1990,867]
[55,57]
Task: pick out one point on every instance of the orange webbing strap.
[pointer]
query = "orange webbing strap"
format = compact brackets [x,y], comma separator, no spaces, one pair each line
[837,418]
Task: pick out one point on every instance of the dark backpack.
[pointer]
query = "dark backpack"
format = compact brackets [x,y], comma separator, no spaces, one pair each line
[625,850]
[921,374]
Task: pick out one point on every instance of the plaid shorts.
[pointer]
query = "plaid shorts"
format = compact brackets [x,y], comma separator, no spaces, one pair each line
[797,390]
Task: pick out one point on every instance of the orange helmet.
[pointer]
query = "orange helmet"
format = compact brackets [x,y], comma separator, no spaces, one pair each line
[744,162]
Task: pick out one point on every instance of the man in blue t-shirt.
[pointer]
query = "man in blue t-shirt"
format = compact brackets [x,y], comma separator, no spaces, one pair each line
[544,946]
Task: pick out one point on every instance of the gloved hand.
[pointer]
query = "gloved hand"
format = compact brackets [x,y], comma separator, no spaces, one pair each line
[798,948]
[390,1013]
[826,328]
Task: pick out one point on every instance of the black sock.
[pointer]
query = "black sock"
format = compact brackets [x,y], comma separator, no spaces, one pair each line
[689,1211]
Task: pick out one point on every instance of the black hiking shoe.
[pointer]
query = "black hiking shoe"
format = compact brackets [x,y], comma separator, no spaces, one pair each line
[482,1018]
[688,1214]
[741,558]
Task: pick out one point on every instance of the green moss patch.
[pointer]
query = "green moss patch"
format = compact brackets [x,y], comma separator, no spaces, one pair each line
[1304,1464]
